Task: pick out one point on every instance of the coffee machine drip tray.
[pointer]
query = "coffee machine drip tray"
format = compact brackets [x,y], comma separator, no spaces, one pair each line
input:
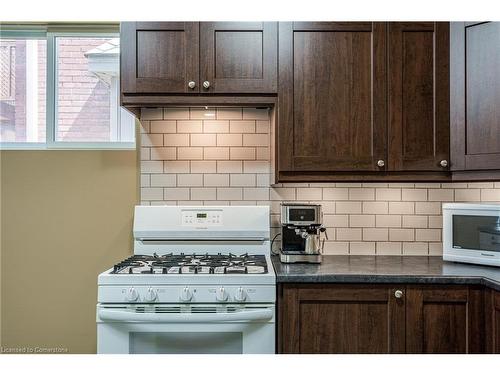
[299,257]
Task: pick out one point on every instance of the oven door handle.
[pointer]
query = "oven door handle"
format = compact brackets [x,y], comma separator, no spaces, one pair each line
[128,316]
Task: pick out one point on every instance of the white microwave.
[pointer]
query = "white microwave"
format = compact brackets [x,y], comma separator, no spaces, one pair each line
[471,233]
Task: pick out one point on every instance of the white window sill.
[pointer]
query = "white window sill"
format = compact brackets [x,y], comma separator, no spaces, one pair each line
[69,146]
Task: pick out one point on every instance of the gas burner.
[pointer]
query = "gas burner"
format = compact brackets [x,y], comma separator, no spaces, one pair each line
[192,264]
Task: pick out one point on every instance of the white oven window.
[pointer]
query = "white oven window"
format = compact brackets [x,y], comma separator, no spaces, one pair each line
[186,342]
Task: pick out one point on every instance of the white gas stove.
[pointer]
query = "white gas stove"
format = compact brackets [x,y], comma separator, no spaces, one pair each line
[200,281]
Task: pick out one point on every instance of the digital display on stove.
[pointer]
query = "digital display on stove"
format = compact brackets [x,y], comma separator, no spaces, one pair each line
[201,218]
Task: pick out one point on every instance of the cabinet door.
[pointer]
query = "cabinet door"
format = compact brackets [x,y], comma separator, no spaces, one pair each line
[239,57]
[323,318]
[496,319]
[159,57]
[332,96]
[492,307]
[475,95]
[444,319]
[419,125]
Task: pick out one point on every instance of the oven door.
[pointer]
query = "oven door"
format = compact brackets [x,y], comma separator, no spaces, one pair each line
[185,329]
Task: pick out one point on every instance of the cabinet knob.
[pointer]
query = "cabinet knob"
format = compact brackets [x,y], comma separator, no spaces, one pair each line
[206,84]
[192,84]
[443,163]
[380,163]
[398,293]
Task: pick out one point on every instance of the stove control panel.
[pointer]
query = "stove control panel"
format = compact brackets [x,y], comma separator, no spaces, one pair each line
[187,294]
[201,217]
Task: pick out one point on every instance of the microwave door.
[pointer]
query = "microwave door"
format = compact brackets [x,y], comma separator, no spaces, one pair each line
[480,233]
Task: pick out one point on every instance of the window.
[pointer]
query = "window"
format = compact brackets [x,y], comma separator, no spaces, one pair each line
[22,90]
[61,90]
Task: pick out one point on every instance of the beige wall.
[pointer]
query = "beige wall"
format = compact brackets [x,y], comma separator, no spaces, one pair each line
[65,217]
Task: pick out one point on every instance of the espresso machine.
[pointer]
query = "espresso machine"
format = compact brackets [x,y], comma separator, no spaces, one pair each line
[301,229]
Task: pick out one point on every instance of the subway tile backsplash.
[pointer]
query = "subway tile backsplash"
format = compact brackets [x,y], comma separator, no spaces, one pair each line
[222,157]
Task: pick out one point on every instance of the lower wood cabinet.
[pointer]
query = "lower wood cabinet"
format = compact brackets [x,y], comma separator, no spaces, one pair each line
[361,318]
[492,317]
[496,320]
[321,318]
[445,319]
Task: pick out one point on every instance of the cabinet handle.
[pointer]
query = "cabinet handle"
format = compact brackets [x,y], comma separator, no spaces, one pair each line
[206,84]
[398,293]
[192,84]
[380,163]
[443,163]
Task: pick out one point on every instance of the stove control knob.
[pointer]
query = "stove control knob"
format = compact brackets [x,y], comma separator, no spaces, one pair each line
[186,295]
[221,294]
[131,295]
[240,295]
[150,295]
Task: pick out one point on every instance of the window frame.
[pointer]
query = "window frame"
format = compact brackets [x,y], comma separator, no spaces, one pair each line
[50,34]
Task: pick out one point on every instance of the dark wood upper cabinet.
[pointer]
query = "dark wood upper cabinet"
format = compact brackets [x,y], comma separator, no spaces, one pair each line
[444,319]
[418,124]
[159,57]
[321,318]
[193,57]
[332,96]
[475,96]
[238,57]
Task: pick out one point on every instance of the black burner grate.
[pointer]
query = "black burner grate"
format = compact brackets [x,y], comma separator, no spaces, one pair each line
[192,264]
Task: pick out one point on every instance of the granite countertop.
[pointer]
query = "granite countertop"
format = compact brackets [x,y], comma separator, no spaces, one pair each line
[386,269]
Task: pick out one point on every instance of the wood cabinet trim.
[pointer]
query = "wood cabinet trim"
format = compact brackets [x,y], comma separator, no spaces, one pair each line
[496,299]
[366,177]
[332,26]
[160,25]
[476,340]
[358,293]
[495,327]
[449,293]
[197,100]
[457,96]
[284,134]
[290,325]
[127,56]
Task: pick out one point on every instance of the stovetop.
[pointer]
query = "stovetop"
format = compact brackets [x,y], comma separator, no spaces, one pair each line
[192,264]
